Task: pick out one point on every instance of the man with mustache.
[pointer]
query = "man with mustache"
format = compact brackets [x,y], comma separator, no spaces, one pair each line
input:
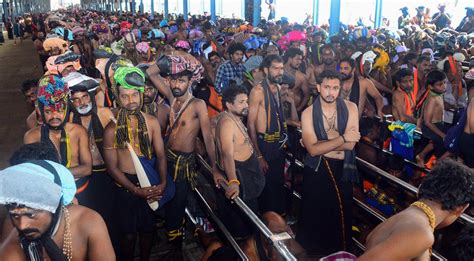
[423,67]
[300,92]
[44,225]
[96,191]
[356,89]
[151,103]
[328,58]
[404,97]
[188,117]
[238,159]
[143,133]
[267,130]
[232,70]
[70,140]
[330,131]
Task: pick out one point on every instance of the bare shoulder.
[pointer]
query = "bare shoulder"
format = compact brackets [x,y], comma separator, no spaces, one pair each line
[75,128]
[364,82]
[308,111]
[33,132]
[85,218]
[257,89]
[150,119]
[352,107]
[105,112]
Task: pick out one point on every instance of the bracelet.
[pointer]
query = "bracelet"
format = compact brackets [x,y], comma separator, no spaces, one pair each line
[260,157]
[344,139]
[236,181]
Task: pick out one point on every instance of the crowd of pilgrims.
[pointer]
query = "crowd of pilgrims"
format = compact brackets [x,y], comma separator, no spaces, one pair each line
[124,94]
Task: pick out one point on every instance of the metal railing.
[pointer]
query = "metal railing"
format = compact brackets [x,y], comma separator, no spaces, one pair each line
[219,223]
[464,218]
[275,239]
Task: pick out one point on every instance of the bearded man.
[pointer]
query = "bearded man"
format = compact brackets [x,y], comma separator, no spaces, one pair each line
[42,223]
[70,140]
[267,130]
[142,133]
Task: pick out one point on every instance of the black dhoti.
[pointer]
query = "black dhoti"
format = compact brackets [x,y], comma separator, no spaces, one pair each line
[324,226]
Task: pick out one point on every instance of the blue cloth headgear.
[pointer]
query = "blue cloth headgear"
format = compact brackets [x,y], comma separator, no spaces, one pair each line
[40,184]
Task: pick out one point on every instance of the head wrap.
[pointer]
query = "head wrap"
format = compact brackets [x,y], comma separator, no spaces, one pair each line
[253,63]
[34,186]
[156,34]
[382,60]
[182,44]
[52,92]
[130,78]
[79,82]
[51,43]
[76,30]
[143,47]
[100,28]
[401,48]
[39,184]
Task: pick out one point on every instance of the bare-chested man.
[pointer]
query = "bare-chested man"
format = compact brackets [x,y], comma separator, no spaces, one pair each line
[330,130]
[143,133]
[404,97]
[267,130]
[300,91]
[96,192]
[188,117]
[432,111]
[328,59]
[44,225]
[423,67]
[443,196]
[466,142]
[151,104]
[356,89]
[70,140]
[238,160]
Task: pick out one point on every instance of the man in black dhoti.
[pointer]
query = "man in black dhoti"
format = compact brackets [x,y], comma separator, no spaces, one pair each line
[330,130]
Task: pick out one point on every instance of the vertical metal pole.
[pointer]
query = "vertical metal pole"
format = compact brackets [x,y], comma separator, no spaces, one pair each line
[166,9]
[141,8]
[242,10]
[120,7]
[334,19]
[220,8]
[133,8]
[315,12]
[213,10]
[152,7]
[378,13]
[257,11]
[185,9]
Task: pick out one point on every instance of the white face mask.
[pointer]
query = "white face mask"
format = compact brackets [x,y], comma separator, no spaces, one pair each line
[84,109]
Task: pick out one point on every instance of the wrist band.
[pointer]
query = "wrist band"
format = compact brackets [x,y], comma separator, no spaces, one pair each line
[233,181]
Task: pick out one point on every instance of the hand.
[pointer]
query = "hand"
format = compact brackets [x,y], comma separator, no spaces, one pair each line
[232,191]
[263,164]
[380,114]
[153,70]
[352,135]
[217,176]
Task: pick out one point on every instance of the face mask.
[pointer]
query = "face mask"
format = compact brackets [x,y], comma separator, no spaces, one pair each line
[84,109]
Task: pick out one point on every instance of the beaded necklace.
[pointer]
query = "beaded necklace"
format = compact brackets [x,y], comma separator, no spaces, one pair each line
[429,213]
[67,241]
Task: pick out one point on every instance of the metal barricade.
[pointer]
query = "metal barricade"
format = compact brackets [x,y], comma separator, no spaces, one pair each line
[275,239]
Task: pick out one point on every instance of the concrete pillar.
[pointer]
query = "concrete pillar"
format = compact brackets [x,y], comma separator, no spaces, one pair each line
[315,12]
[152,7]
[378,13]
[213,10]
[334,19]
[257,12]
[185,9]
[166,9]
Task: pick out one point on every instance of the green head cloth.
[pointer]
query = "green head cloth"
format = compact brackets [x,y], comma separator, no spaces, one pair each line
[131,78]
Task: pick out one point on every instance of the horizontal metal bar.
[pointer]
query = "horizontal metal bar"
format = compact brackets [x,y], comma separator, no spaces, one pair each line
[369,210]
[359,244]
[221,226]
[279,246]
[464,217]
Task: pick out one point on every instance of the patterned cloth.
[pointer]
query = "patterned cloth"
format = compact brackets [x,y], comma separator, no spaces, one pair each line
[52,92]
[226,72]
